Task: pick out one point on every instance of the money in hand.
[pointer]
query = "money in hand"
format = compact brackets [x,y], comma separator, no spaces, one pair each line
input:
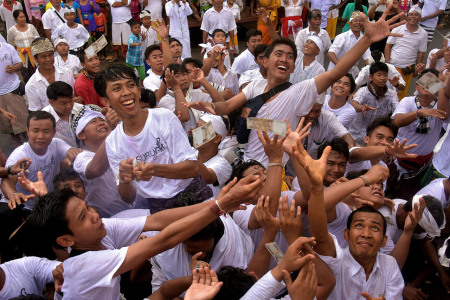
[268,125]
[203,134]
[96,47]
[431,83]
[275,251]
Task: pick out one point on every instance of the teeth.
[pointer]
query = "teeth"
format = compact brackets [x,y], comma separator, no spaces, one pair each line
[128,102]
[282,67]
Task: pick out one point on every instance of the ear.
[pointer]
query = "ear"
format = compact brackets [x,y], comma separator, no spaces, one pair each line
[370,77]
[346,234]
[384,241]
[265,62]
[81,136]
[65,241]
[366,139]
[218,139]
[51,102]
[105,101]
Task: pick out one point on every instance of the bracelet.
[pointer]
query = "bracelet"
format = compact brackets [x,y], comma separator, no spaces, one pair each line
[164,39]
[366,180]
[274,165]
[176,91]
[9,197]
[123,181]
[215,208]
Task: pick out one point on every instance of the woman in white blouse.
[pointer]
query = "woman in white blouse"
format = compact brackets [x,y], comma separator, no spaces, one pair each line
[292,22]
[20,36]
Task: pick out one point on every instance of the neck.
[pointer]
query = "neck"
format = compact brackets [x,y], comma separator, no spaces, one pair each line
[94,145]
[97,246]
[222,69]
[356,33]
[218,8]
[133,126]
[39,152]
[21,25]
[46,72]
[375,162]
[378,89]
[206,154]
[446,190]
[426,100]
[64,117]
[308,59]
[273,82]
[147,26]
[64,56]
[57,7]
[412,27]
[316,30]
[157,72]
[367,264]
[72,25]
[336,102]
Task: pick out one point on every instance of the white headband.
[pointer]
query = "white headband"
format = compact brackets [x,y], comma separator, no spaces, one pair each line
[60,40]
[317,40]
[415,8]
[87,115]
[428,223]
[67,9]
[144,13]
[217,122]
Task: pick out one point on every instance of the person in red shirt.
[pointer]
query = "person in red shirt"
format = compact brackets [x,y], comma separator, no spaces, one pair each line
[84,84]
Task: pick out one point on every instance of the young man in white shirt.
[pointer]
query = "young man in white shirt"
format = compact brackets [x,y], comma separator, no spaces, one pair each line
[431,10]
[52,18]
[306,65]
[215,70]
[280,61]
[46,74]
[166,163]
[121,31]
[314,20]
[151,37]
[246,60]
[407,51]
[255,74]
[178,11]
[372,101]
[345,41]
[440,189]
[63,109]
[154,58]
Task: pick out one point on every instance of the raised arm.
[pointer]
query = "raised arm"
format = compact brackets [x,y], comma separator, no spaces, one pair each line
[378,152]
[163,31]
[99,163]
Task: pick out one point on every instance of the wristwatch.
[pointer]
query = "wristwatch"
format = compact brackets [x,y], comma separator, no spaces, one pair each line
[9,170]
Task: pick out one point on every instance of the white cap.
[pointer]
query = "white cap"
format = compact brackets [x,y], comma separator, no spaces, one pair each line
[415,8]
[86,114]
[59,40]
[317,40]
[67,9]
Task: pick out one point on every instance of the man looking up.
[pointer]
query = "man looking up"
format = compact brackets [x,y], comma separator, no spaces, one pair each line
[306,65]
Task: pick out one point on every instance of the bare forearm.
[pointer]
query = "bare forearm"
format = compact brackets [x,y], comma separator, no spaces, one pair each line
[387,52]
[99,164]
[161,92]
[167,54]
[208,65]
[48,34]
[205,36]
[349,139]
[208,175]
[401,249]
[318,223]
[302,197]
[333,58]
[273,33]
[127,192]
[181,170]
[261,259]
[334,194]
[366,153]
[172,288]
[180,100]
[9,185]
[215,95]
[401,120]
[420,57]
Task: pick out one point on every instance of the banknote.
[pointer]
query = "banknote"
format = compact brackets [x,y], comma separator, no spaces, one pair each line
[135,162]
[203,134]
[96,47]
[24,165]
[431,83]
[274,126]
[275,251]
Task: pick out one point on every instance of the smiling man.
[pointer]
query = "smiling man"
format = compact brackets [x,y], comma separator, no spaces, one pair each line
[84,84]
[166,163]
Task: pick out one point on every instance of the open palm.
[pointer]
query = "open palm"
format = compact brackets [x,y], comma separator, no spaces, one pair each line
[205,285]
[376,31]
[315,168]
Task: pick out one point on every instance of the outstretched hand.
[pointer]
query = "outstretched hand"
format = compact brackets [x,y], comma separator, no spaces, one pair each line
[376,31]
[272,147]
[414,216]
[38,188]
[202,106]
[160,27]
[293,137]
[236,193]
[399,150]
[205,285]
[314,168]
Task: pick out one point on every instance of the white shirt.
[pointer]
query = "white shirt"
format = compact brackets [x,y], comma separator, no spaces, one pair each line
[385,280]
[155,9]
[249,76]
[63,128]
[440,63]
[244,62]
[161,141]
[235,9]
[265,288]
[405,49]
[292,103]
[47,163]
[51,19]
[101,192]
[168,101]
[292,9]
[429,8]
[7,15]
[178,18]
[72,63]
[218,20]
[326,128]
[36,87]
[151,38]
[229,80]
[76,37]
[26,276]
[120,14]
[425,141]
[302,37]
[345,114]
[361,165]
[302,73]
[436,189]
[8,56]
[383,106]
[152,81]
[222,169]
[441,157]
[363,76]
[342,44]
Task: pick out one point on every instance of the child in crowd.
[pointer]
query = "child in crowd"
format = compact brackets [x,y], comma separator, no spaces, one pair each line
[102,29]
[236,10]
[64,59]
[134,54]
[148,32]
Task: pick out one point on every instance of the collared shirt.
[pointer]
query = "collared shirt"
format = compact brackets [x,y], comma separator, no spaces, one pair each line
[342,44]
[155,9]
[36,88]
[63,129]
[250,75]
[303,35]
[134,54]
[303,73]
[8,56]
[218,20]
[345,114]
[178,18]
[244,62]
[51,19]
[429,8]
[229,80]
[152,81]
[72,63]
[6,14]
[385,280]
[150,39]
[437,190]
[363,76]
[405,49]
[388,103]
[76,37]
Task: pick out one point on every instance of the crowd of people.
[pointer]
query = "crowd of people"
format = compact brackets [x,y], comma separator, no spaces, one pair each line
[111,191]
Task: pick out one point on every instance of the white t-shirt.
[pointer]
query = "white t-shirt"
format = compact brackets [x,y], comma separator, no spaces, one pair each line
[218,20]
[249,76]
[440,63]
[7,15]
[229,80]
[161,141]
[223,171]
[291,104]
[47,163]
[120,14]
[244,62]
[429,8]
[26,276]
[101,192]
[155,9]
[76,37]
[436,189]
[360,165]
[345,114]
[72,63]
[122,232]
[8,56]
[152,81]
[51,19]
[441,157]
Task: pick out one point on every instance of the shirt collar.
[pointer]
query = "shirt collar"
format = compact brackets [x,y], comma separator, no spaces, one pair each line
[355,267]
[39,76]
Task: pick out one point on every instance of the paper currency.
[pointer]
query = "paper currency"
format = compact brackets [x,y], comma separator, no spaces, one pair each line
[135,162]
[431,83]
[24,165]
[275,251]
[96,47]
[203,134]
[274,126]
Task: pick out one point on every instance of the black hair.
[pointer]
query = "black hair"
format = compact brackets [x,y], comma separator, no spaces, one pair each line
[376,55]
[252,32]
[28,296]
[68,174]
[59,89]
[238,171]
[176,68]
[81,56]
[207,233]
[337,144]
[368,209]
[352,82]
[150,49]
[433,205]
[355,174]
[148,96]
[216,31]
[378,66]
[190,60]
[261,48]
[282,41]
[382,121]
[40,115]
[172,39]
[358,5]
[135,23]
[236,283]
[112,73]
[16,13]
[429,70]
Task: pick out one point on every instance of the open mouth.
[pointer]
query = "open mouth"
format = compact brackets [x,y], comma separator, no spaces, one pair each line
[103,129]
[127,102]
[282,68]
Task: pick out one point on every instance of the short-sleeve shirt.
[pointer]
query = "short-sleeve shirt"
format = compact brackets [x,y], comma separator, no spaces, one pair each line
[244,62]
[304,34]
[120,14]
[218,20]
[134,53]
[436,189]
[229,80]
[345,114]
[429,8]
[76,37]
[223,170]
[51,19]
[152,81]
[7,15]
[8,56]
